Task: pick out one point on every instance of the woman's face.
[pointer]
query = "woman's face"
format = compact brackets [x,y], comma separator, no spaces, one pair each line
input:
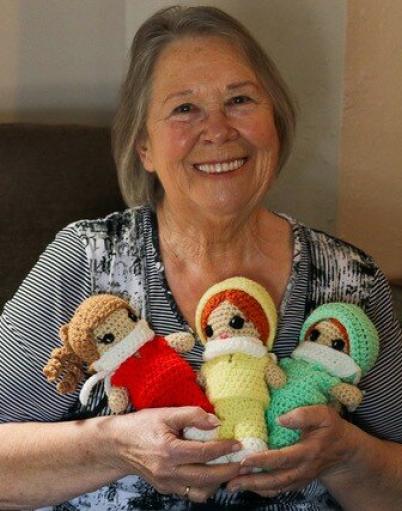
[211,136]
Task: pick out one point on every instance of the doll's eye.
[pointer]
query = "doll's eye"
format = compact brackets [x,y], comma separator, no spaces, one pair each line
[314,335]
[209,331]
[106,339]
[133,316]
[236,322]
[338,344]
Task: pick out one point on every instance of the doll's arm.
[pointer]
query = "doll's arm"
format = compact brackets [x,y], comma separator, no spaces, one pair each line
[348,395]
[274,375]
[118,400]
[180,341]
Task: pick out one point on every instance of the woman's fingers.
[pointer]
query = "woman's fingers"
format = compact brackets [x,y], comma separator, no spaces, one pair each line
[179,418]
[189,451]
[270,483]
[309,417]
[206,476]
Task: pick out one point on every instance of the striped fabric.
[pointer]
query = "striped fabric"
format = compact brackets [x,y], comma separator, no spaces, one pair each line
[120,254]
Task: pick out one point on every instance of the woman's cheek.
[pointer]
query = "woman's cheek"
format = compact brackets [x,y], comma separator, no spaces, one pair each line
[182,137]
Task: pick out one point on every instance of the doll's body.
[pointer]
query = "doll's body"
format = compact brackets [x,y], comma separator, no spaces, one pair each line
[338,344]
[236,321]
[307,384]
[121,349]
[236,385]
[156,376]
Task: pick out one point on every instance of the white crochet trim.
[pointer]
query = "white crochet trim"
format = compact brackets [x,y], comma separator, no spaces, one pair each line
[114,357]
[335,362]
[242,344]
[89,385]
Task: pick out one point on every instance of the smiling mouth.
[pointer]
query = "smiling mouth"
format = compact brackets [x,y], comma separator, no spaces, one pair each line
[220,167]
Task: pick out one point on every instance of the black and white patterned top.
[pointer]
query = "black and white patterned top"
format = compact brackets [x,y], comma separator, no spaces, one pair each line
[120,254]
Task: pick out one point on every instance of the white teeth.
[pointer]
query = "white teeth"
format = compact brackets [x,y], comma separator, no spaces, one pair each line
[218,168]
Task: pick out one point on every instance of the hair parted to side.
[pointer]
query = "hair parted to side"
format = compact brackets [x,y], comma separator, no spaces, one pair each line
[167,25]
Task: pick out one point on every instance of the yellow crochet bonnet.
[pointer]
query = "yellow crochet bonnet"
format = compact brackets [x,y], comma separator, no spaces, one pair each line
[253,289]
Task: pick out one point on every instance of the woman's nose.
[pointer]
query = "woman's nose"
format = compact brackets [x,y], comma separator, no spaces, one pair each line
[218,129]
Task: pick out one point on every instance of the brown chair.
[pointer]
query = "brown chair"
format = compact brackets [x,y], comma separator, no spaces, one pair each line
[49,177]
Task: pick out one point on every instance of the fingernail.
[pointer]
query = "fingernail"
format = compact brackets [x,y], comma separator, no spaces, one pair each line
[213,420]
[236,447]
[283,419]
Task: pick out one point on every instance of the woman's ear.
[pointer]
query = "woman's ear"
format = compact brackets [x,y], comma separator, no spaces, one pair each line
[144,152]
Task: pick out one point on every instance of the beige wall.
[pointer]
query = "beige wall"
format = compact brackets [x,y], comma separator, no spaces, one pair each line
[9,49]
[61,61]
[370,187]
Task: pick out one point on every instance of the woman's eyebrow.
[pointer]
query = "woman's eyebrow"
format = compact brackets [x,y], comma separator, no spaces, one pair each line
[231,86]
[178,94]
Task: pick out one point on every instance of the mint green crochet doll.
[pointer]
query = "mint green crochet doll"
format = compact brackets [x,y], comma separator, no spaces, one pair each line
[338,345]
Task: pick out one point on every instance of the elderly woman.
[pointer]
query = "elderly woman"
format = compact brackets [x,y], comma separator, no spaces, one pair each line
[204,125]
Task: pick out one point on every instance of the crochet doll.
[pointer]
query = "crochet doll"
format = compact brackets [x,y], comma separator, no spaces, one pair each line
[338,345]
[236,321]
[137,365]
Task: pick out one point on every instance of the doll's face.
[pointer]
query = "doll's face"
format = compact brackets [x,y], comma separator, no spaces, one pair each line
[228,321]
[114,329]
[329,332]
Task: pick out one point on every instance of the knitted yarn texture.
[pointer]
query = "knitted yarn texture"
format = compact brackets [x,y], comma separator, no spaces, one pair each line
[338,344]
[236,320]
[137,365]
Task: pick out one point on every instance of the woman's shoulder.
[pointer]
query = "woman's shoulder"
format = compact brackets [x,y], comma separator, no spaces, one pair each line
[335,251]
[338,270]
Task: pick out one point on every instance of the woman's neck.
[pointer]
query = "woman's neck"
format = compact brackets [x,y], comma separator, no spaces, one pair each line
[211,241]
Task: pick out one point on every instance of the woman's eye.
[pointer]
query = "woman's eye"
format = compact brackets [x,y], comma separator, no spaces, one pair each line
[240,100]
[107,338]
[236,322]
[338,344]
[184,109]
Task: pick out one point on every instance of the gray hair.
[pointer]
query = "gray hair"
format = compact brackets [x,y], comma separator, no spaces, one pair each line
[167,25]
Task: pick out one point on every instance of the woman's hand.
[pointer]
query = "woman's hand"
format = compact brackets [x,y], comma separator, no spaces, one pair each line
[150,444]
[327,443]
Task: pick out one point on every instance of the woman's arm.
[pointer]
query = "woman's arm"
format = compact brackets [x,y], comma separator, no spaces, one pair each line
[45,464]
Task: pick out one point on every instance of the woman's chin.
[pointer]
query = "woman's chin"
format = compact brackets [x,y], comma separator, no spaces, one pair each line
[224,204]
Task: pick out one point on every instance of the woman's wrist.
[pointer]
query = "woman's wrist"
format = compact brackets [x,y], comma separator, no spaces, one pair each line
[353,459]
[368,477]
[110,442]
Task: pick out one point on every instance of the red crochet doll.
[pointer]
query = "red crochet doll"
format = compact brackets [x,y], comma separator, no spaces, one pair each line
[137,365]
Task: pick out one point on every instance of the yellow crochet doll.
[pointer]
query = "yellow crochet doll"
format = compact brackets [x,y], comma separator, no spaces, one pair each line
[236,321]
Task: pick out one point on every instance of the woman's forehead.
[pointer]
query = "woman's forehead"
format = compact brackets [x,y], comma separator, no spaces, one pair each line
[190,63]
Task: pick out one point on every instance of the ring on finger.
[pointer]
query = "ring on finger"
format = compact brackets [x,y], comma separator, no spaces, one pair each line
[187,492]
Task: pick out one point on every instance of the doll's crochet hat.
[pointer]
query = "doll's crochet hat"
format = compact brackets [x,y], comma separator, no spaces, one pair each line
[363,336]
[78,333]
[249,296]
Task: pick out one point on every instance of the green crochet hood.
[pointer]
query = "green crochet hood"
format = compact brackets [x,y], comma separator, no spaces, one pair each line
[363,336]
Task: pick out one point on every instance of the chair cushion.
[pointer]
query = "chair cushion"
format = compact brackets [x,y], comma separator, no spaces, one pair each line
[49,177]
